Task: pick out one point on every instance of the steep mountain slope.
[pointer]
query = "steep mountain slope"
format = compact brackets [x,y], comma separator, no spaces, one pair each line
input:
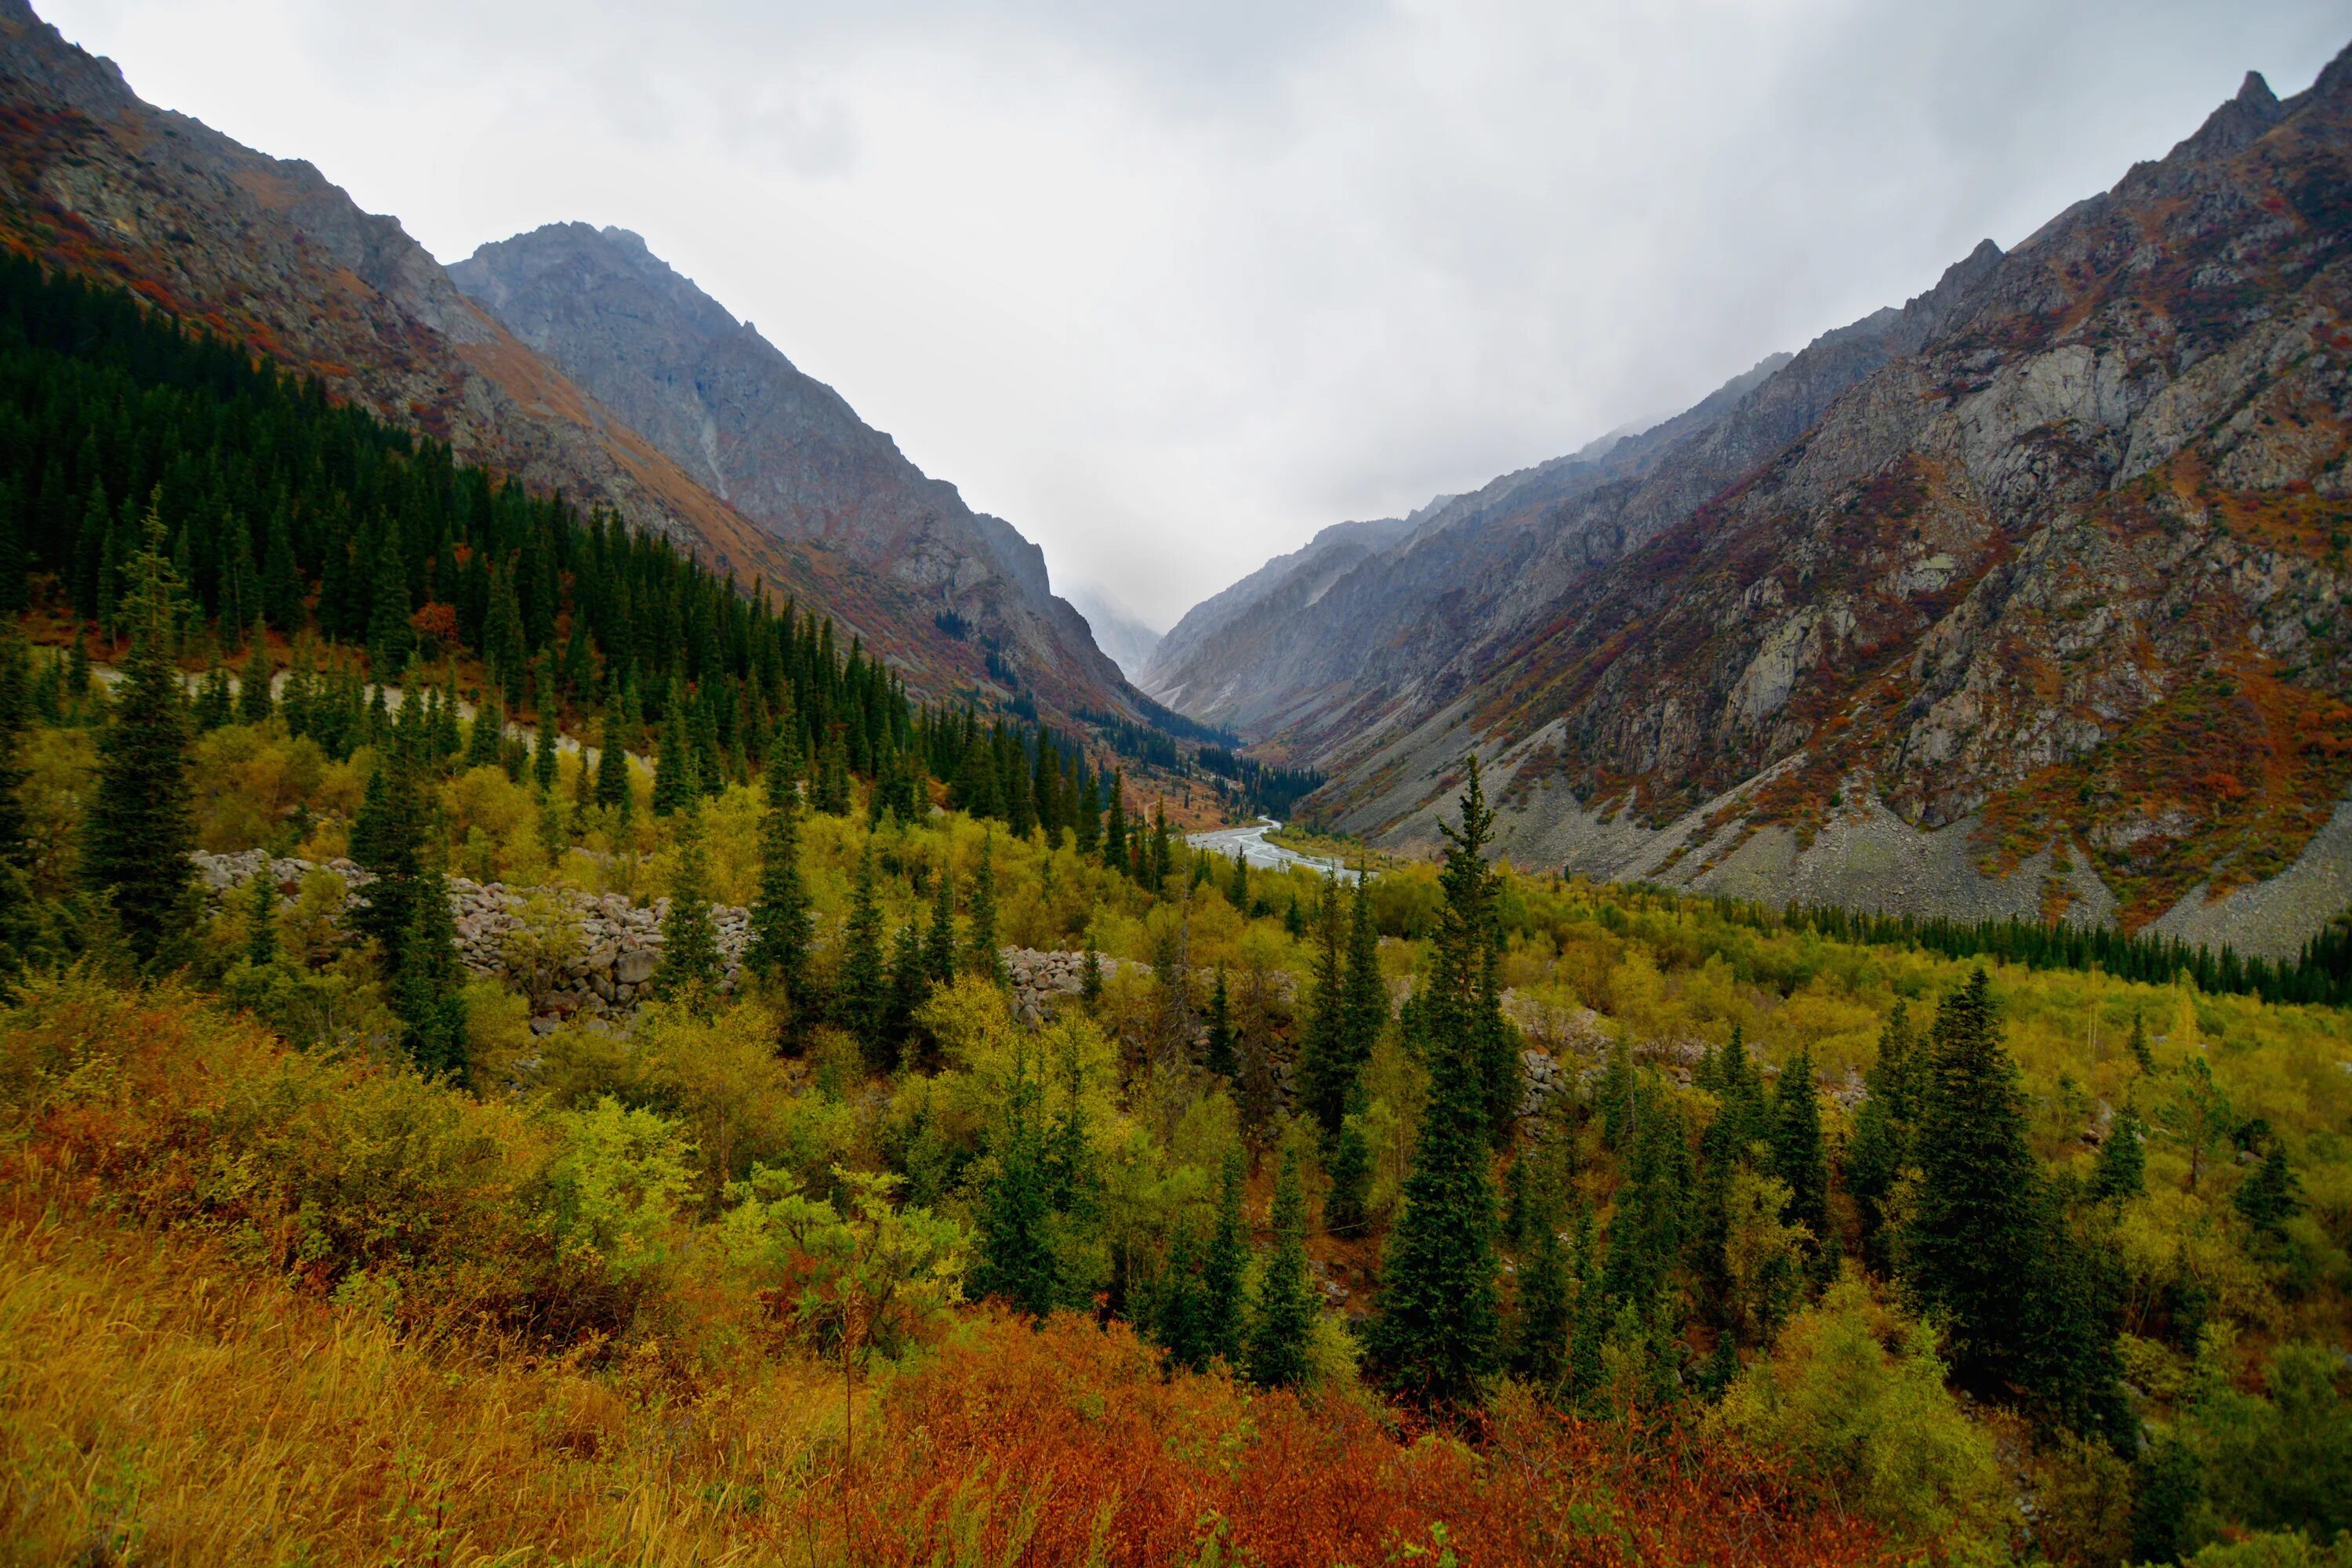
[783,449]
[1116,629]
[2027,598]
[266,251]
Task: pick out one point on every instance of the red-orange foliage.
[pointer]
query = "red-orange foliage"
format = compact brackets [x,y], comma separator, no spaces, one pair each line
[1078,1451]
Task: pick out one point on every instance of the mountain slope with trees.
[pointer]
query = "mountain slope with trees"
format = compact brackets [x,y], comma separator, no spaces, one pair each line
[2024,600]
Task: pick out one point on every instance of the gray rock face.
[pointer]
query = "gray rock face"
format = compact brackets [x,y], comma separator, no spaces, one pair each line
[783,449]
[2046,568]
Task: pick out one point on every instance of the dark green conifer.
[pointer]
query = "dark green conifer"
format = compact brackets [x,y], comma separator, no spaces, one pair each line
[141,823]
[1798,1157]
[486,741]
[1973,1243]
[1177,1312]
[1114,838]
[1237,890]
[1219,1059]
[2122,1170]
[982,957]
[1222,1267]
[2271,1197]
[676,774]
[779,917]
[389,636]
[1344,1211]
[862,990]
[544,738]
[1540,1330]
[20,917]
[691,967]
[253,703]
[425,987]
[1284,1324]
[1437,1335]
[261,919]
[2137,1043]
[1323,1069]
[910,987]
[940,944]
[1019,1260]
[613,791]
[214,705]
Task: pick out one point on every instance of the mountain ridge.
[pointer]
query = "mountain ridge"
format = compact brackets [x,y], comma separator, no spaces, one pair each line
[1938,614]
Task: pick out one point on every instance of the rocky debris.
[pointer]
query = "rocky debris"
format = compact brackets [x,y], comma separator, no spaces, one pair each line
[1042,978]
[585,955]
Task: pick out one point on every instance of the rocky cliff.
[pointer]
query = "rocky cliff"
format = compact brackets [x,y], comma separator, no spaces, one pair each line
[2026,598]
[783,449]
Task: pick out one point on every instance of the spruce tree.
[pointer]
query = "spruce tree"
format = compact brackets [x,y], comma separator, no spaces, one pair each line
[1344,1212]
[1284,1323]
[1219,1059]
[1972,1248]
[261,919]
[2138,1044]
[1797,1151]
[1114,838]
[1222,1267]
[214,705]
[1018,1258]
[485,742]
[141,824]
[388,841]
[2122,1170]
[1322,1065]
[1540,1330]
[1436,1333]
[1364,1002]
[690,967]
[543,747]
[674,771]
[1176,1314]
[982,957]
[20,917]
[1238,892]
[940,944]
[779,919]
[389,636]
[425,987]
[862,989]
[613,791]
[2271,1197]
[253,703]
[910,986]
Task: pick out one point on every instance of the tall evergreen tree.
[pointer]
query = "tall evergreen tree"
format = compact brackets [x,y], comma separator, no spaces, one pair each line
[424,986]
[980,954]
[2122,1170]
[862,989]
[253,703]
[675,776]
[1798,1156]
[20,918]
[1019,1258]
[1323,1066]
[1973,1243]
[1114,841]
[1284,1324]
[940,944]
[1541,1325]
[141,823]
[613,791]
[1221,1267]
[1437,1334]
[690,967]
[2271,1197]
[779,917]
[1219,1059]
[261,917]
[485,742]
[543,749]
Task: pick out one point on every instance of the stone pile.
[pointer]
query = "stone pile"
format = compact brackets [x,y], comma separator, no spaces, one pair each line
[1042,979]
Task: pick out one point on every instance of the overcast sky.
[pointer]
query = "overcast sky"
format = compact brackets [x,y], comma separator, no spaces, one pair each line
[1173,287]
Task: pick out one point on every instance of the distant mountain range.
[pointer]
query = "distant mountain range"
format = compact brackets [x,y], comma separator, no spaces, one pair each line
[570,358]
[1118,630]
[2024,598]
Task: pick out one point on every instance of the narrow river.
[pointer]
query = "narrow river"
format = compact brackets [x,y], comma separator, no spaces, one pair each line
[1251,842]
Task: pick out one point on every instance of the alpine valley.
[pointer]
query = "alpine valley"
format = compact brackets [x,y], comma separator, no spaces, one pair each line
[2025,598]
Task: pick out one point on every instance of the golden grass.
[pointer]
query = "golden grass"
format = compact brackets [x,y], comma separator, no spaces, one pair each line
[160,1404]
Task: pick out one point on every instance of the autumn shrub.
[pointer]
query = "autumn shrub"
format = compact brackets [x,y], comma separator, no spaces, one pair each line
[334,1169]
[1853,1395]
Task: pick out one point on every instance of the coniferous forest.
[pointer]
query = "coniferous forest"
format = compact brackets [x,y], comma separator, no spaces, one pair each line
[981,1174]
